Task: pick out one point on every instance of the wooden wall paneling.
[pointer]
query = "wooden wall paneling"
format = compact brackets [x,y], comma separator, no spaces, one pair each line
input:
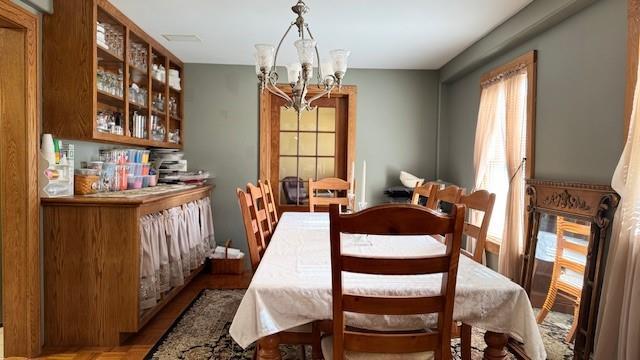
[19,206]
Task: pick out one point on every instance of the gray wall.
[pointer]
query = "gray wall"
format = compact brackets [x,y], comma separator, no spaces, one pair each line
[396,130]
[580,101]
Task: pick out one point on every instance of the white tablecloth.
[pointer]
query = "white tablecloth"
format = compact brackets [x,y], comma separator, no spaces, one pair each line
[292,286]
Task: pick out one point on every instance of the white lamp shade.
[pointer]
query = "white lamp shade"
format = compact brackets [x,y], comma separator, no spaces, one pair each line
[258,71]
[339,57]
[264,55]
[306,50]
[326,68]
[293,72]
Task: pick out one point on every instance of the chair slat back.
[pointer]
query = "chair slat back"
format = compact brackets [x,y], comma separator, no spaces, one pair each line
[451,194]
[255,244]
[563,227]
[395,220]
[479,201]
[332,184]
[270,201]
[259,213]
[423,191]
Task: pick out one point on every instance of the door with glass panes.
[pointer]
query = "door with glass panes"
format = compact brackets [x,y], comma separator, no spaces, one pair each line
[312,147]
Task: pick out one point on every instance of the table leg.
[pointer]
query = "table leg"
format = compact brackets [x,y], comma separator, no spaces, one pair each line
[268,348]
[496,346]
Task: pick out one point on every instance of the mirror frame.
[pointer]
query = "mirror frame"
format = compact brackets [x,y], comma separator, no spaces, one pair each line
[595,204]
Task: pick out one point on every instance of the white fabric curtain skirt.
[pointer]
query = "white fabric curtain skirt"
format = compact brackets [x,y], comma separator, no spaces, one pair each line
[173,243]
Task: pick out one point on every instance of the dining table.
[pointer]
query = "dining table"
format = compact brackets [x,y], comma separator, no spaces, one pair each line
[292,287]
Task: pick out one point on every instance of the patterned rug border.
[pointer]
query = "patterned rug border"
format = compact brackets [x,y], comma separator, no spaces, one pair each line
[175,323]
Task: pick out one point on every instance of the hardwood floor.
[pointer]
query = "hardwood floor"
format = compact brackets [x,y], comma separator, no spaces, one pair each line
[138,345]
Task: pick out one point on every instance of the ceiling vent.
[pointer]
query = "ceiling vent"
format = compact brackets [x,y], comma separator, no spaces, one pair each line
[181,38]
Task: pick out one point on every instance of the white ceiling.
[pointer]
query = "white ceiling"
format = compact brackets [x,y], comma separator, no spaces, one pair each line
[410,34]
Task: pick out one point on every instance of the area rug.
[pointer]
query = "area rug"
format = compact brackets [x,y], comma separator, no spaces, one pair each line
[202,332]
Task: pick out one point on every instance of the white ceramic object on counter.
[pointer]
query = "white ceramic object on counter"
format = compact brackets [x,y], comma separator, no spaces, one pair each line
[410,180]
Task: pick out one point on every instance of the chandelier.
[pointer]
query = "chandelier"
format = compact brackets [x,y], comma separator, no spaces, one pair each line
[300,74]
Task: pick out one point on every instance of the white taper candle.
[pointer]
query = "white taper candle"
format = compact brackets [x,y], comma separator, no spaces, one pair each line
[364,181]
[353,176]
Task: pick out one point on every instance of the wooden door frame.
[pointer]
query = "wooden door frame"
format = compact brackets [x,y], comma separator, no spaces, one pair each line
[20,231]
[349,92]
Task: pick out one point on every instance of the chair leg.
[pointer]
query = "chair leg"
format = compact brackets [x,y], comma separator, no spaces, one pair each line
[316,346]
[465,341]
[550,299]
[572,332]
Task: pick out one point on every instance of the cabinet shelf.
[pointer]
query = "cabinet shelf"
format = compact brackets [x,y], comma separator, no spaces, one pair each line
[107,55]
[109,99]
[71,99]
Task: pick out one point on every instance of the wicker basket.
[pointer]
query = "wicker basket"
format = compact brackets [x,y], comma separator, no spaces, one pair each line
[86,184]
[227,266]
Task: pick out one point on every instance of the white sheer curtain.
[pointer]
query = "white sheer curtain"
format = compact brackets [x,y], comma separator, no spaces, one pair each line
[619,333]
[499,151]
[512,245]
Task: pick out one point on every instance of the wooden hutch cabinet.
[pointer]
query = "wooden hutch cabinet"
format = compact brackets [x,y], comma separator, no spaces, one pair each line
[117,94]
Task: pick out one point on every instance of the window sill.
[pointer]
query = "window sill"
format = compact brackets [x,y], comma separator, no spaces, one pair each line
[492,245]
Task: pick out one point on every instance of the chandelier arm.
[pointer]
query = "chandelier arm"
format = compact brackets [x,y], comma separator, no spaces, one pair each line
[275,90]
[317,54]
[325,92]
[275,58]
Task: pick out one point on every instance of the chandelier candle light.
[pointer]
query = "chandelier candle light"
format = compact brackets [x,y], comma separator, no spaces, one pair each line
[300,75]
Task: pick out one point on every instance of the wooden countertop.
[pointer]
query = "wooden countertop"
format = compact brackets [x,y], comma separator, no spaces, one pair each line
[83,200]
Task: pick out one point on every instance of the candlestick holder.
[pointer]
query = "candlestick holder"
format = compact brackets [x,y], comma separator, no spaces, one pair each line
[362,205]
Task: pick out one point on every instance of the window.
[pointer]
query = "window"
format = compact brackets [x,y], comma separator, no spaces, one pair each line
[505,144]
[318,145]
[496,178]
[308,149]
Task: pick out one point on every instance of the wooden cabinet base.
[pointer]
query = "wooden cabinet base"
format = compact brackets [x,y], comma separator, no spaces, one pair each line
[92,267]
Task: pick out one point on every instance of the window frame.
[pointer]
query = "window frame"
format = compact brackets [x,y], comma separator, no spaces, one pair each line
[265,124]
[530,61]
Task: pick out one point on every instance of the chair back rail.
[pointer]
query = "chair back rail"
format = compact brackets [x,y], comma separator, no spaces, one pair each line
[423,191]
[395,220]
[254,242]
[451,194]
[259,213]
[333,184]
[479,201]
[270,201]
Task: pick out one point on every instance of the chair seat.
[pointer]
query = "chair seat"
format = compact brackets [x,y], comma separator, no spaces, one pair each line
[327,352]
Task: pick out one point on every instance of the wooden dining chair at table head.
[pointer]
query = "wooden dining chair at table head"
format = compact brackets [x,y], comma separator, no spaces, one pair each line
[480,201]
[560,279]
[423,191]
[254,242]
[392,220]
[450,194]
[333,185]
[259,213]
[270,202]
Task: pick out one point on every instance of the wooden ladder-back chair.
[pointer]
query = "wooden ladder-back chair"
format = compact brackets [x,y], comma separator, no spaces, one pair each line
[259,213]
[394,220]
[270,202]
[332,184]
[451,194]
[559,280]
[308,334]
[480,201]
[254,242]
[423,191]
